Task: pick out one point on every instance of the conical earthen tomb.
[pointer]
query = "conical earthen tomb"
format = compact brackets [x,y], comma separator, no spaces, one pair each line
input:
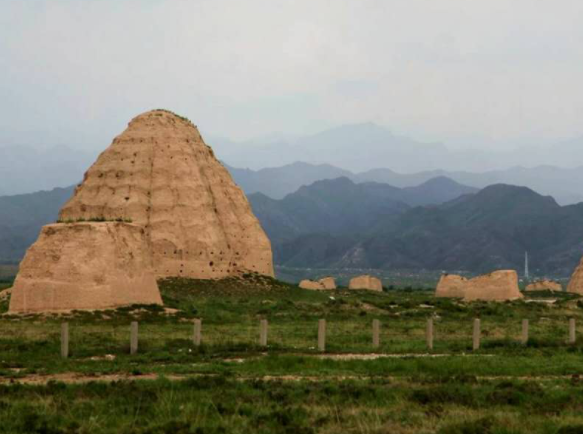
[169,208]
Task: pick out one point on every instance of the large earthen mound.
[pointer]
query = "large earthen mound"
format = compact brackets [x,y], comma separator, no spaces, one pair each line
[85,266]
[544,285]
[365,282]
[451,286]
[160,174]
[497,286]
[188,219]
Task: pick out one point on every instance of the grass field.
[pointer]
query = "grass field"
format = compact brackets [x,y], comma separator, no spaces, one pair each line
[230,384]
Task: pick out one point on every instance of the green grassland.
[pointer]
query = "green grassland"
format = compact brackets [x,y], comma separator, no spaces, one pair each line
[230,384]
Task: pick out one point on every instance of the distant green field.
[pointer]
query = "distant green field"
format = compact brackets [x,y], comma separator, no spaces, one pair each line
[231,384]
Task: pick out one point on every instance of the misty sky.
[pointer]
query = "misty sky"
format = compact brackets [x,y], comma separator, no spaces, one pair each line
[469,73]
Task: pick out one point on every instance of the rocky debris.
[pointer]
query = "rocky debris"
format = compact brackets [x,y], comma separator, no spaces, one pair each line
[325,283]
[576,283]
[155,204]
[497,286]
[544,285]
[85,266]
[451,286]
[366,282]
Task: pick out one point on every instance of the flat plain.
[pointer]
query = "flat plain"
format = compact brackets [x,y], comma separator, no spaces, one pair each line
[232,384]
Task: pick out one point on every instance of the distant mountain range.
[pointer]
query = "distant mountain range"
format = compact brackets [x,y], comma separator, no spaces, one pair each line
[345,205]
[362,152]
[491,229]
[562,184]
[437,225]
[341,207]
[366,146]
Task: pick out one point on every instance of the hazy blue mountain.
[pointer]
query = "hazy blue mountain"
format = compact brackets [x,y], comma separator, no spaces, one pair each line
[336,206]
[22,216]
[26,169]
[367,146]
[355,147]
[562,184]
[280,181]
[477,232]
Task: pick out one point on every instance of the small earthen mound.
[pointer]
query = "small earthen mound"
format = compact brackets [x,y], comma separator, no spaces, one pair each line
[451,286]
[327,283]
[366,282]
[544,285]
[85,266]
[310,284]
[497,286]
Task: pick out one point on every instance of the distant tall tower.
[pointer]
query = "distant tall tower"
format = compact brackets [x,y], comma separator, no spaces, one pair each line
[526,273]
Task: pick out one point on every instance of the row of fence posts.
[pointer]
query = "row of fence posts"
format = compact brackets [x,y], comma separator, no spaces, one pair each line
[263,327]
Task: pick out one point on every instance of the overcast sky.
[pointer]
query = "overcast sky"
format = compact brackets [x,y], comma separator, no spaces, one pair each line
[469,73]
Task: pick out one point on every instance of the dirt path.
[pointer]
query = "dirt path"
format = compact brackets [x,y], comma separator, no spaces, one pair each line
[76,378]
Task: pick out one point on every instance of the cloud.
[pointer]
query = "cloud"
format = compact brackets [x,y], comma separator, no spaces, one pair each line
[446,70]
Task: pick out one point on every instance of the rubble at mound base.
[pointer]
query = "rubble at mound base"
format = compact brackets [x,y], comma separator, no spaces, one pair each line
[326,283]
[545,284]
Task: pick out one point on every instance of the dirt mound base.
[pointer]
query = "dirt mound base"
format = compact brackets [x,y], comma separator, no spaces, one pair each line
[85,266]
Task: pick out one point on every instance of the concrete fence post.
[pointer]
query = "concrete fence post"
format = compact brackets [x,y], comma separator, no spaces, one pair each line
[572,331]
[64,340]
[524,338]
[476,335]
[263,333]
[322,335]
[134,337]
[429,334]
[376,329]
[197,332]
